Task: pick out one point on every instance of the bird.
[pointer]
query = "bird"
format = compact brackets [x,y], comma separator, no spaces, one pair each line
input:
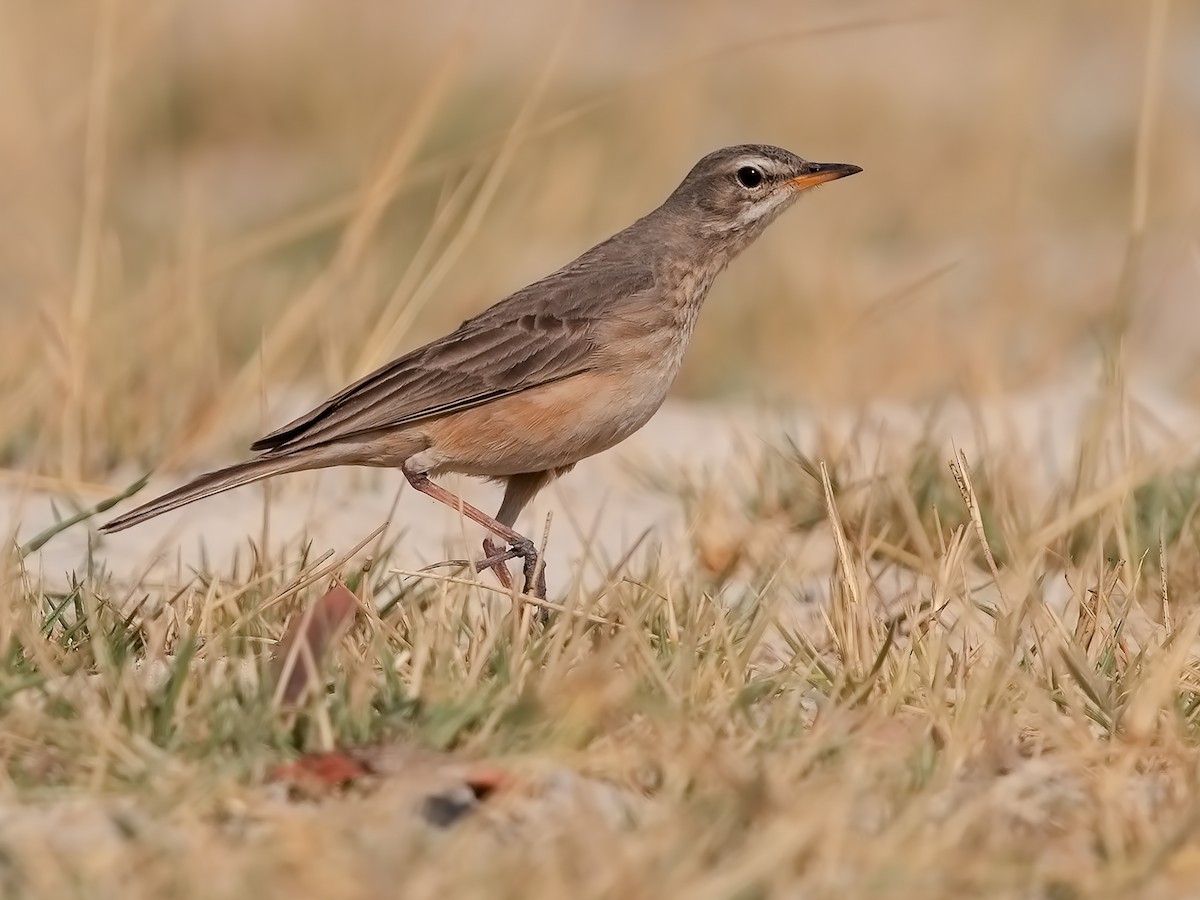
[557,372]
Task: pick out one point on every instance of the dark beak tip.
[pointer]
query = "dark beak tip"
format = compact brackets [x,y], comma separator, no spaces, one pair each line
[832,171]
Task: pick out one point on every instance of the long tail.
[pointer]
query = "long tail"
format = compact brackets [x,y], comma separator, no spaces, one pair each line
[214,483]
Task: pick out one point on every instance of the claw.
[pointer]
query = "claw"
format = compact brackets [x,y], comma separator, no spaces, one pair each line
[481,565]
[492,550]
[535,575]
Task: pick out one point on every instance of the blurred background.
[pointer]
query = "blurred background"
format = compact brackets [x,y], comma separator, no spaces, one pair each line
[212,213]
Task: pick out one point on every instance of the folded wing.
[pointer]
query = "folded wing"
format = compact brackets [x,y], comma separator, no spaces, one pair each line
[539,335]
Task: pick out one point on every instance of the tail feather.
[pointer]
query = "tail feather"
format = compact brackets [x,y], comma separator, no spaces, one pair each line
[208,485]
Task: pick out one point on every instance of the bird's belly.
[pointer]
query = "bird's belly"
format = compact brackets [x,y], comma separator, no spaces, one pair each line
[544,428]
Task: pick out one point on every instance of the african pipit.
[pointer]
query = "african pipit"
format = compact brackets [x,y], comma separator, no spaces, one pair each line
[555,373]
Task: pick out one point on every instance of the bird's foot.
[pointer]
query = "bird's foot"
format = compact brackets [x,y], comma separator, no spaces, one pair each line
[535,574]
[534,570]
[494,562]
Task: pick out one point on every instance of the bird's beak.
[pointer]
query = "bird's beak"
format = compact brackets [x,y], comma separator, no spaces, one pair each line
[819,173]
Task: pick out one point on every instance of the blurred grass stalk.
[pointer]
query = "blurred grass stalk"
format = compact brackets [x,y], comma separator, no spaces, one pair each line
[288,203]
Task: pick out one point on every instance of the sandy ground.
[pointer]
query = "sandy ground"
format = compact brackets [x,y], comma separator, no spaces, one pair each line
[602,508]
[598,512]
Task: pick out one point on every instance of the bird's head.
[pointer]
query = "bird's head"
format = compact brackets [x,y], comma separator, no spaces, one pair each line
[732,194]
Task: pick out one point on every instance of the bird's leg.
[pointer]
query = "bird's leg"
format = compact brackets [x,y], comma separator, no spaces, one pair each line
[518,491]
[521,545]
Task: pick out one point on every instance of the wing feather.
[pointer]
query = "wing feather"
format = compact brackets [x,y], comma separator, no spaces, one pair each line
[537,336]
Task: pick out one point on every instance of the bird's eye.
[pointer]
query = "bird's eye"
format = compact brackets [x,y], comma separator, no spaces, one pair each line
[749,176]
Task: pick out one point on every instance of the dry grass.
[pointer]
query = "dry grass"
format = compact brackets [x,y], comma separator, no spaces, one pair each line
[1016,724]
[884,676]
